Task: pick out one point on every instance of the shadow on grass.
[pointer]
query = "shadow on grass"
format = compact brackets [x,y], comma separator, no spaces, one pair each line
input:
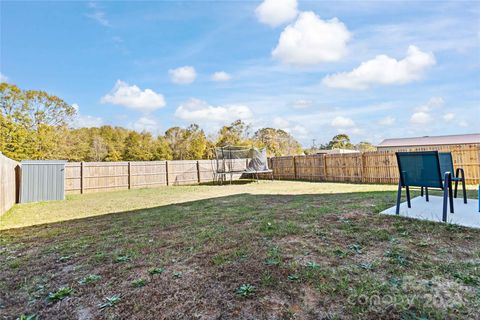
[371,202]
[220,243]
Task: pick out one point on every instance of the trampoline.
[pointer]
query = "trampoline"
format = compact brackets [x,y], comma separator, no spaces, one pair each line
[234,160]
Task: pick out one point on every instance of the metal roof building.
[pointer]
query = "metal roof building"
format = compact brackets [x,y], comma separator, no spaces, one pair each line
[429,141]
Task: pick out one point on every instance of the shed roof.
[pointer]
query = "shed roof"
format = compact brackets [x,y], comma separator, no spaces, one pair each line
[473,138]
[43,162]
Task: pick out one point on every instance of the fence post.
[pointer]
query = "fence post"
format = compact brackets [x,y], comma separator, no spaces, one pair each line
[18,179]
[82,182]
[129,175]
[364,169]
[325,167]
[166,171]
[294,168]
[198,171]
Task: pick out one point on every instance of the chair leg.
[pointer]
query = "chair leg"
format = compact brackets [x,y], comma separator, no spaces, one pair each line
[399,197]
[421,192]
[450,195]
[464,191]
[426,194]
[445,202]
[456,188]
[408,197]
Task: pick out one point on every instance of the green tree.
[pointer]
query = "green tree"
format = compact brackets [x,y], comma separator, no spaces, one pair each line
[138,147]
[365,146]
[186,143]
[236,134]
[43,117]
[277,141]
[340,141]
[161,149]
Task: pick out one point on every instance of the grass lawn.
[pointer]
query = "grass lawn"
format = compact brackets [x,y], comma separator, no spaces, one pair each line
[272,250]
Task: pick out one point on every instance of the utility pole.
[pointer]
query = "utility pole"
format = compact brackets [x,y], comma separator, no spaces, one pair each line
[314,146]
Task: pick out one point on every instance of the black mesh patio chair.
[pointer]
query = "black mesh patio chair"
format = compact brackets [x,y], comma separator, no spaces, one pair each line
[446,165]
[422,169]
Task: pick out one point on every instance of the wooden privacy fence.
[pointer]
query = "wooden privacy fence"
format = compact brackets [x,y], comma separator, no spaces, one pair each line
[9,183]
[83,177]
[369,167]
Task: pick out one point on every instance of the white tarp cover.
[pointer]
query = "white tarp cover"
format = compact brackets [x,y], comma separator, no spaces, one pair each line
[258,162]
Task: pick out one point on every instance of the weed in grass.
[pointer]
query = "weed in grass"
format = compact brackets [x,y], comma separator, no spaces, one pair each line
[312,265]
[177,274]
[28,317]
[219,259]
[60,294]
[110,302]
[272,262]
[467,279]
[340,253]
[154,271]
[64,258]
[393,241]
[274,256]
[366,266]
[14,264]
[89,279]
[356,248]
[396,257]
[267,279]
[294,277]
[138,283]
[99,257]
[122,258]
[380,234]
[246,290]
[395,281]
[410,315]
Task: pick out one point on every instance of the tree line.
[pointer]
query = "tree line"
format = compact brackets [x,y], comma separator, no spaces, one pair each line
[37,125]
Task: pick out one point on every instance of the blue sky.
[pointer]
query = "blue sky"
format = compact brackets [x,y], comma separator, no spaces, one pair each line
[371,69]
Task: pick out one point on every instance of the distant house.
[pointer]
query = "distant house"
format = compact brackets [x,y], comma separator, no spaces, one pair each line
[429,142]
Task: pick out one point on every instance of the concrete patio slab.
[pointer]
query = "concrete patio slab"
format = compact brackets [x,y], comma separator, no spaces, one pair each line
[465,214]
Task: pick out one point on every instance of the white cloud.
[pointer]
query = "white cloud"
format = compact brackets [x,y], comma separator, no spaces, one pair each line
[311,40]
[199,111]
[463,124]
[276,12]
[134,98]
[3,78]
[449,116]
[145,124]
[280,122]
[342,122]
[98,15]
[183,75]
[85,121]
[433,103]
[221,76]
[383,70]
[387,121]
[296,130]
[421,117]
[422,114]
[299,131]
[302,104]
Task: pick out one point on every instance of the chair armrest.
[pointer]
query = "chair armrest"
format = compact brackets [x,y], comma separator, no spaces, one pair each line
[447,178]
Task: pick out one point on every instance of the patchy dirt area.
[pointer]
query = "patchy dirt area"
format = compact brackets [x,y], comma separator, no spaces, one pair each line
[243,256]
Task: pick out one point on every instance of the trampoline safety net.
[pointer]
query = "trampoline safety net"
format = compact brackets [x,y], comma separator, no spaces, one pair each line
[237,160]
